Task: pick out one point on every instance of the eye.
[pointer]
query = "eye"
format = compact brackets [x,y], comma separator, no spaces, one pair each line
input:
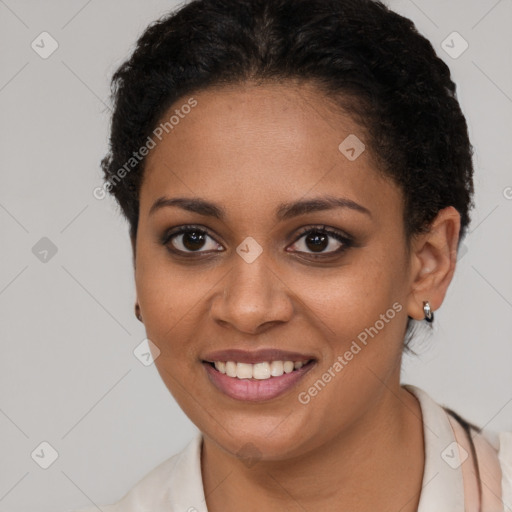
[189,239]
[319,238]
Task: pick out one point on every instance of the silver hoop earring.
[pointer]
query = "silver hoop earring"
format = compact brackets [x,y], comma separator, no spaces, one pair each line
[429,314]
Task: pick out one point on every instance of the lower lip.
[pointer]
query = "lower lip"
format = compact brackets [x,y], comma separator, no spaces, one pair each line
[255,389]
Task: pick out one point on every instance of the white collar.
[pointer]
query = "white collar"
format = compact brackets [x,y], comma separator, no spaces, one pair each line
[177,484]
[442,488]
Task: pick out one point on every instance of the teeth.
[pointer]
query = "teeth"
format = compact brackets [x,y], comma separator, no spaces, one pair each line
[260,371]
[230,369]
[288,366]
[244,370]
[276,368]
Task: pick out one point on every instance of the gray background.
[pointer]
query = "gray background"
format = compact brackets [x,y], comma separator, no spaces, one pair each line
[67,329]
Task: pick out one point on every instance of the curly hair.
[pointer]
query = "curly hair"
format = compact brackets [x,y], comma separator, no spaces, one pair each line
[370,61]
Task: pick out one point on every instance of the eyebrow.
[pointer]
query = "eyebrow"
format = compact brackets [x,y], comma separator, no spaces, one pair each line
[284,211]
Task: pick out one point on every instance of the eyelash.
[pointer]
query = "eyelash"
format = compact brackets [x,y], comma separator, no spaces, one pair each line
[344,239]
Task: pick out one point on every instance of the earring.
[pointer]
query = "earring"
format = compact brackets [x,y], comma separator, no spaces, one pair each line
[429,314]
[137,313]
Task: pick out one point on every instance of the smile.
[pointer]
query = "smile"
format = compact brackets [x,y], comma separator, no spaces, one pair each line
[260,371]
[256,382]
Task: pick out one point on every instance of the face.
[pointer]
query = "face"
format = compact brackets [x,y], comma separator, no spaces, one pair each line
[254,270]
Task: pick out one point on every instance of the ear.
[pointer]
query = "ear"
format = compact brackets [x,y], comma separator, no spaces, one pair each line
[433,261]
[133,241]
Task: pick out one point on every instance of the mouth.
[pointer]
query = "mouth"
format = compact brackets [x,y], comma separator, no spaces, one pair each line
[258,371]
[259,381]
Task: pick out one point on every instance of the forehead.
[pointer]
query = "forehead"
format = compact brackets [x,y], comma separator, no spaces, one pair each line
[262,144]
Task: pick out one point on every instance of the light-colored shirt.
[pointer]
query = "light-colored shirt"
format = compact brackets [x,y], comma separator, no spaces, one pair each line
[176,485]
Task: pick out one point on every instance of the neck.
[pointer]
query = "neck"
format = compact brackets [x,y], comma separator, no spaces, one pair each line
[377,464]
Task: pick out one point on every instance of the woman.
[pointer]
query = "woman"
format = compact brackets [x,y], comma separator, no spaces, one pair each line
[297,176]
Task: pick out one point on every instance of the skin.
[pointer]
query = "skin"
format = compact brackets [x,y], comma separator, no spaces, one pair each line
[358,444]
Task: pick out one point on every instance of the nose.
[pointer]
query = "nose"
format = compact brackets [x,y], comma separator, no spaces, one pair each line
[252,297]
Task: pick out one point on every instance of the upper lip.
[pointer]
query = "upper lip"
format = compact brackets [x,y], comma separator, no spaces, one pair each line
[256,356]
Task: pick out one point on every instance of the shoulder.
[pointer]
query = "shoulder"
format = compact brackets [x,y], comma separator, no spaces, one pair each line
[493,465]
[495,458]
[493,452]
[155,491]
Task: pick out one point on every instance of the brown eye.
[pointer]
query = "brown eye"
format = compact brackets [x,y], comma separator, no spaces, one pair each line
[193,240]
[316,241]
[190,240]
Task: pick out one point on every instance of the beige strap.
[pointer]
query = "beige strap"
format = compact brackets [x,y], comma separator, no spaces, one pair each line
[489,467]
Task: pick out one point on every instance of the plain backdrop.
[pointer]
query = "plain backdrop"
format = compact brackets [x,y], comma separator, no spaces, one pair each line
[68,373]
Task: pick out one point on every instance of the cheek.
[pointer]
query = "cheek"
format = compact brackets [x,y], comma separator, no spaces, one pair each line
[167,297]
[360,314]
[354,296]
[361,322]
